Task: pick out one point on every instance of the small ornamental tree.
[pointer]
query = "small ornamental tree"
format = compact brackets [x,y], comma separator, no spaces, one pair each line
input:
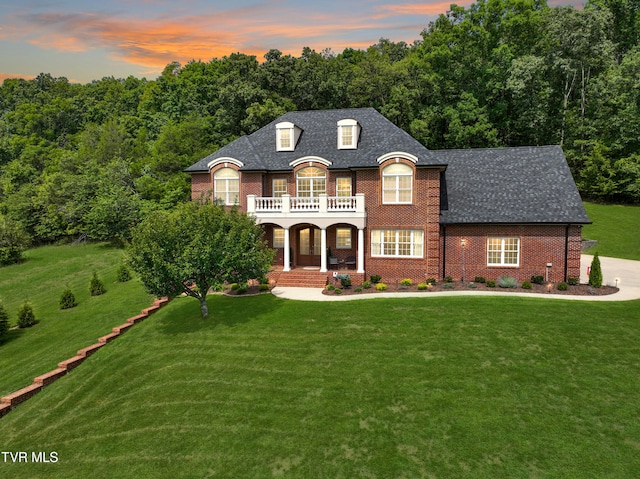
[96,286]
[595,274]
[124,274]
[68,299]
[4,324]
[26,317]
[197,244]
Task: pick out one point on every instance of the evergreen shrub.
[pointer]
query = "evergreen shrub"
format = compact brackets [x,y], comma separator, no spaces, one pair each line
[68,299]
[26,317]
[96,286]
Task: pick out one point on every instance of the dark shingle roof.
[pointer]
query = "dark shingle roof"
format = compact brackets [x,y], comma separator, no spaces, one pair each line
[494,185]
[319,138]
[509,185]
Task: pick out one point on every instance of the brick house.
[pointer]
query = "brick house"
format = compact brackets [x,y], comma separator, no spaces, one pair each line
[346,188]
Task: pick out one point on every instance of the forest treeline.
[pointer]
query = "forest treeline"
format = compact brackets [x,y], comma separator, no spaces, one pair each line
[89,161]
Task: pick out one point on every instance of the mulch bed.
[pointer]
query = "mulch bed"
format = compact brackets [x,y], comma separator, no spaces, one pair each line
[578,290]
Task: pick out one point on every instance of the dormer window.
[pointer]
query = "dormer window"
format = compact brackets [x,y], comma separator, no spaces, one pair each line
[287,135]
[348,134]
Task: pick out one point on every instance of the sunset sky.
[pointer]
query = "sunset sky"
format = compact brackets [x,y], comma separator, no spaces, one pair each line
[86,40]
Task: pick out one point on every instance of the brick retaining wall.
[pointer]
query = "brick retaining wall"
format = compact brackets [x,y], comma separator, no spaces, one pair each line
[8,402]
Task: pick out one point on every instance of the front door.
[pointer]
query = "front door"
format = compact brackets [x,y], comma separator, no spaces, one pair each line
[309,246]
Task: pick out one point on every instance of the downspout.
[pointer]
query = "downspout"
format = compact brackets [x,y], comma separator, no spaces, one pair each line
[444,251]
[566,252]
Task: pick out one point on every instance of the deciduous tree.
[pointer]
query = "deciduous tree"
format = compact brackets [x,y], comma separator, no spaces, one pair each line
[197,246]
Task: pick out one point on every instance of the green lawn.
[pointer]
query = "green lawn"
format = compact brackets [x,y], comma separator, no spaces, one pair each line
[616,228]
[432,387]
[424,387]
[41,279]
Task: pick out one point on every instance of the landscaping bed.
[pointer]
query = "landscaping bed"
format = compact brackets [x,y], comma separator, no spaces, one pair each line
[577,290]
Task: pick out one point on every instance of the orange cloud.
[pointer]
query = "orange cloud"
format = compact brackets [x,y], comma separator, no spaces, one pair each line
[6,76]
[152,43]
[430,9]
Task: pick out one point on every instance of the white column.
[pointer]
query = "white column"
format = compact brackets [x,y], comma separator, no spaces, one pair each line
[287,256]
[324,203]
[251,203]
[360,250]
[323,246]
[286,203]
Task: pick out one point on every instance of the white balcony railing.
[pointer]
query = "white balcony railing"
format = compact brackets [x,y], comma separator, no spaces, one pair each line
[294,204]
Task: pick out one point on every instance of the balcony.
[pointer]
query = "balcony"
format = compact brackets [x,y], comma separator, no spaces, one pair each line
[288,210]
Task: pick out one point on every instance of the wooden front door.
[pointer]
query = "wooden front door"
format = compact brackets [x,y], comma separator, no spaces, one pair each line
[309,245]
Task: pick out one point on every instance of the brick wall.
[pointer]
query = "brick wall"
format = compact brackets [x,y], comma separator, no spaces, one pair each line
[201,185]
[539,245]
[423,214]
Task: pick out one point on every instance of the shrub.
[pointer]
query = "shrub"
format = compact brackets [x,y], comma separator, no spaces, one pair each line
[330,287]
[366,284]
[472,286]
[26,317]
[263,287]
[562,286]
[491,283]
[358,290]
[507,282]
[381,287]
[242,288]
[448,279]
[573,281]
[480,279]
[337,291]
[447,286]
[375,278]
[124,274]
[431,281]
[537,279]
[406,282]
[96,286]
[422,286]
[4,324]
[595,276]
[345,280]
[526,285]
[234,286]
[68,299]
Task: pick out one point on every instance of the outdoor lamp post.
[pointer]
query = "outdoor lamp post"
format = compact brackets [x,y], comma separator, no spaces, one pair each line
[463,243]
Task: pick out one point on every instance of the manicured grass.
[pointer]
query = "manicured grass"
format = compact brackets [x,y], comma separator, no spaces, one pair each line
[41,279]
[616,228]
[424,387]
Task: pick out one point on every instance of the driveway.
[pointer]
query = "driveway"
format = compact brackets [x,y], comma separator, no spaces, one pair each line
[626,272]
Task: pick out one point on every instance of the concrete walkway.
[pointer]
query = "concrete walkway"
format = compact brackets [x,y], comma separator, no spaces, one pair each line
[626,272]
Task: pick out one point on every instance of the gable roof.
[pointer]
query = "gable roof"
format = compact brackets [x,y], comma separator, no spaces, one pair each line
[378,137]
[509,185]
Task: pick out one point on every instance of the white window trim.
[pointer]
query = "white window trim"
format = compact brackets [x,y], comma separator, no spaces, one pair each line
[273,186]
[225,194]
[313,180]
[396,255]
[275,243]
[350,238]
[502,251]
[355,134]
[397,190]
[348,180]
[294,135]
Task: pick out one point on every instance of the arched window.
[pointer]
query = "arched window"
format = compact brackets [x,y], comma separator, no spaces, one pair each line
[226,184]
[311,182]
[397,184]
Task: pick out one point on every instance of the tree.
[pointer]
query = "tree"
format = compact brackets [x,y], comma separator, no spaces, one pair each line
[595,274]
[197,246]
[4,324]
[26,317]
[13,241]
